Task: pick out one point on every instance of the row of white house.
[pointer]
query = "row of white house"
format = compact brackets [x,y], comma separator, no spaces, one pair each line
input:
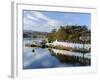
[69,44]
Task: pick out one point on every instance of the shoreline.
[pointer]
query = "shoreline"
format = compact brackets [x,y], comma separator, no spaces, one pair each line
[81,50]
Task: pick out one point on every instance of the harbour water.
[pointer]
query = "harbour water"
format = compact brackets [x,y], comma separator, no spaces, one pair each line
[45,58]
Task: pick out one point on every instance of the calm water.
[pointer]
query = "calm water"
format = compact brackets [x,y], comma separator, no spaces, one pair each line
[42,58]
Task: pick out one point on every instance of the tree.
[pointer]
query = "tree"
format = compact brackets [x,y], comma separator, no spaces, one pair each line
[69,33]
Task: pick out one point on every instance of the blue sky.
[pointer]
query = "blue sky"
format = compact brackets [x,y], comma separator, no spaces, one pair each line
[44,21]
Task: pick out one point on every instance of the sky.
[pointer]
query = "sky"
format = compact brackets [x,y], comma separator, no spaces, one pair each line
[46,21]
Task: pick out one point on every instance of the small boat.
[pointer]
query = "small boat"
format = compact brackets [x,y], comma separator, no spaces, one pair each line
[43,46]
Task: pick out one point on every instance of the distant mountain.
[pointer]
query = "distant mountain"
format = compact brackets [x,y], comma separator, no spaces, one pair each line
[34,34]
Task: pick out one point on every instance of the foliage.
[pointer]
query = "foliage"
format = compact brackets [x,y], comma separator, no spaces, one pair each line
[70,33]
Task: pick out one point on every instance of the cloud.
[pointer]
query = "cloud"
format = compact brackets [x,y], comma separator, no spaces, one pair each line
[53,22]
[33,19]
[46,63]
[29,23]
[42,21]
[30,57]
[50,22]
[40,15]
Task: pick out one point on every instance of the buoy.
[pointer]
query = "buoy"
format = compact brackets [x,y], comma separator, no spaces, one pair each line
[33,50]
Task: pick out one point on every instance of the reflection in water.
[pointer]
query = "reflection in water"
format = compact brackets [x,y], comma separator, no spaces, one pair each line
[76,61]
[43,58]
[70,57]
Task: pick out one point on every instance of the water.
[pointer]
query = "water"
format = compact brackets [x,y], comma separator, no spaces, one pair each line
[43,58]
